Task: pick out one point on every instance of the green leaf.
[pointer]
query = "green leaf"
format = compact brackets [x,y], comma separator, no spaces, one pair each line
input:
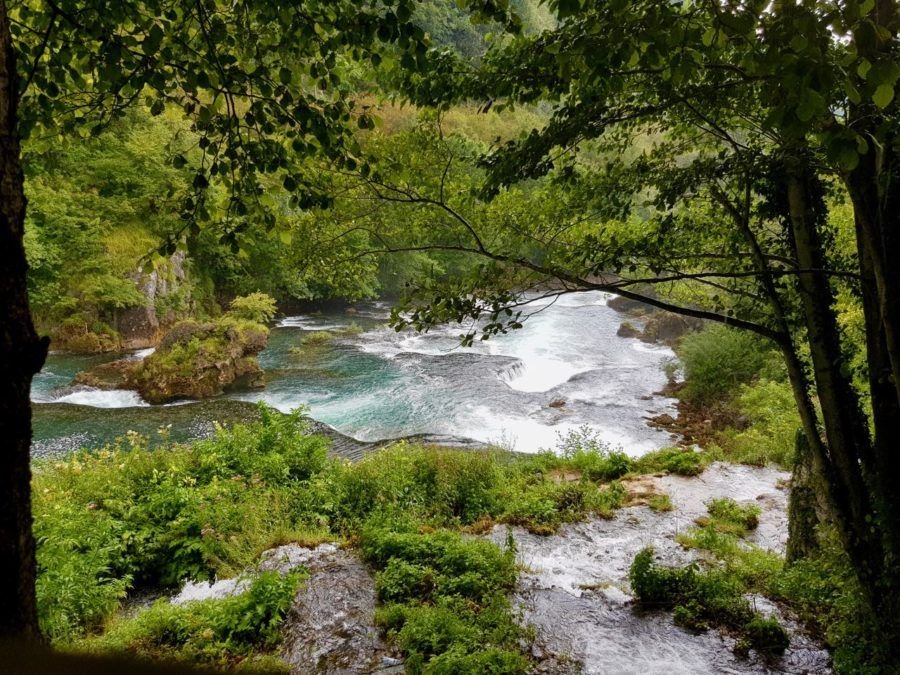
[883,95]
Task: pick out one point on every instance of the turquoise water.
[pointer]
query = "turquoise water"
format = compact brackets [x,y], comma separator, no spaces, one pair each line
[381,384]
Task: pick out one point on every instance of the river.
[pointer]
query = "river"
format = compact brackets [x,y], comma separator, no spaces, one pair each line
[380,384]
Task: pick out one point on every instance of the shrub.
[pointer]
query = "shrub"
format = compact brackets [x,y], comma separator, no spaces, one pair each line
[586,452]
[767,635]
[113,519]
[774,421]
[704,599]
[255,307]
[448,609]
[729,516]
[718,359]
[681,461]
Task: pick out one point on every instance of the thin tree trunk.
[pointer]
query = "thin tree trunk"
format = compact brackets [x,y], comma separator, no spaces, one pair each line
[21,355]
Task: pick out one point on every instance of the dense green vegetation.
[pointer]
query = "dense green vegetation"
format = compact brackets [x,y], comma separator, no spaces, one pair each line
[820,589]
[125,518]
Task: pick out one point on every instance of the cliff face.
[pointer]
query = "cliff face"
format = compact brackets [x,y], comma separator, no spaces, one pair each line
[163,289]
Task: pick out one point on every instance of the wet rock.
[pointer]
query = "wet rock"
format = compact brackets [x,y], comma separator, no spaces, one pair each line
[140,326]
[330,627]
[627,305]
[668,328]
[628,330]
[107,376]
[665,421]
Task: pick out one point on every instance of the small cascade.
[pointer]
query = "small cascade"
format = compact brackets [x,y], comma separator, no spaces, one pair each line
[513,371]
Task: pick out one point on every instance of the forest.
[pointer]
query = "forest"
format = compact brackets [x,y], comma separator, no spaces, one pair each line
[462,323]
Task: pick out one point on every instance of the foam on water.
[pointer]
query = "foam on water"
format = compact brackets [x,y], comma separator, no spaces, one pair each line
[100,398]
[308,323]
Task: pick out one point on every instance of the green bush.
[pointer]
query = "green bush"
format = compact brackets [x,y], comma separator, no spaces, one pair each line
[587,453]
[255,307]
[731,517]
[701,599]
[774,421]
[447,600]
[681,461]
[124,517]
[767,636]
[718,359]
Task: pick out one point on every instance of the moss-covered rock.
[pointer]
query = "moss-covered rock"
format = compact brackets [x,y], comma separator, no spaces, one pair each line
[199,360]
[113,375]
[82,335]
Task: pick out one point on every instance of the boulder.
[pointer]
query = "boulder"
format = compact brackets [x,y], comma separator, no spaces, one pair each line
[628,330]
[330,627]
[668,328]
[113,375]
[199,360]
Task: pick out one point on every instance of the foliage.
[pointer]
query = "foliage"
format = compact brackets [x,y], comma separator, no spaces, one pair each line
[821,590]
[740,517]
[96,208]
[681,461]
[773,417]
[825,593]
[220,632]
[661,503]
[256,307]
[718,360]
[446,600]
[701,599]
[125,517]
[591,456]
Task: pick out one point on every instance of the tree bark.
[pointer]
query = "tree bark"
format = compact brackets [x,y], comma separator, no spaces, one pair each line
[22,354]
[804,513]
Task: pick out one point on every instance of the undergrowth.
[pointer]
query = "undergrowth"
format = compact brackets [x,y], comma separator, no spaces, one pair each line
[123,519]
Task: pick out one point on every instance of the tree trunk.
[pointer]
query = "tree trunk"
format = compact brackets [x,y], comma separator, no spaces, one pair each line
[804,512]
[22,354]
[852,489]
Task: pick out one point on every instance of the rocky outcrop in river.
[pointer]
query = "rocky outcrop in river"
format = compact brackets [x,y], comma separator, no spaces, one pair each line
[194,360]
[199,360]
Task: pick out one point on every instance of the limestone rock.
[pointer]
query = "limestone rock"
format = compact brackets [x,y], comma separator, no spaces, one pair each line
[330,627]
[199,360]
[628,330]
